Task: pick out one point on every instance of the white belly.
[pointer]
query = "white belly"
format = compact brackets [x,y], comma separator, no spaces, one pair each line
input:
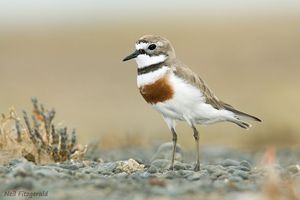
[188,103]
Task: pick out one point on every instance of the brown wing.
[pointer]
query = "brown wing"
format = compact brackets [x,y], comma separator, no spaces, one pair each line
[187,74]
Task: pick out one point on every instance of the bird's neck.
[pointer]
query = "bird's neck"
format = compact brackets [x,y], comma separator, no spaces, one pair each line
[150,74]
[150,68]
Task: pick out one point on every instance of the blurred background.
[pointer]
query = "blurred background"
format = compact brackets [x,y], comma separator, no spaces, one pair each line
[68,54]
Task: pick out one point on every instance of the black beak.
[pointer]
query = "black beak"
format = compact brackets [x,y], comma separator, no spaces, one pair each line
[133,55]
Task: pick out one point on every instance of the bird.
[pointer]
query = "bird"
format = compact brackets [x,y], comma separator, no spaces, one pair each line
[178,93]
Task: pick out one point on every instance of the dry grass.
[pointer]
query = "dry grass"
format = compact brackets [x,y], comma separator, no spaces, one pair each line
[37,140]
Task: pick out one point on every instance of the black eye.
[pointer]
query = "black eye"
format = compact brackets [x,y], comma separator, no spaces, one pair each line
[152,47]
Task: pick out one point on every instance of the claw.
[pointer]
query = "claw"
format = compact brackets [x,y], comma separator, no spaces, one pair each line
[197,167]
[171,168]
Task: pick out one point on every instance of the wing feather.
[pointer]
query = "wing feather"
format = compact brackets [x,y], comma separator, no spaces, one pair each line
[187,74]
[195,80]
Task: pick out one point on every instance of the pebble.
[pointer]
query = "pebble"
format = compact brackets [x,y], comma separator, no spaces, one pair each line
[46,172]
[165,150]
[223,177]
[229,162]
[231,169]
[218,184]
[218,172]
[185,173]
[241,173]
[3,170]
[152,169]
[106,168]
[235,178]
[22,169]
[143,174]
[69,166]
[194,177]
[161,164]
[294,169]
[17,161]
[243,168]
[205,176]
[209,168]
[245,163]
[296,177]
[20,184]
[171,174]
[101,184]
[180,165]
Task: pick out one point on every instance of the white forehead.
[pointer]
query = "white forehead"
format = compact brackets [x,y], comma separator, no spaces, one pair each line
[144,45]
[141,45]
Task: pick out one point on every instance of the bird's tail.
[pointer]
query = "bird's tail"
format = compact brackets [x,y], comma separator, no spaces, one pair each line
[241,123]
[238,115]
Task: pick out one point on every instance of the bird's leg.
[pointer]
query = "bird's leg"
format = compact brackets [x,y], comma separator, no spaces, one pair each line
[174,139]
[196,136]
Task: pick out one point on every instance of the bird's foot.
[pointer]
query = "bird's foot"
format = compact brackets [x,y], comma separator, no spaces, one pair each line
[171,168]
[197,167]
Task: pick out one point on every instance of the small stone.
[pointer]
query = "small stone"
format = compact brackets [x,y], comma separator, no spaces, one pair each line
[235,178]
[171,174]
[144,174]
[180,165]
[3,170]
[165,150]
[296,177]
[205,176]
[223,177]
[106,168]
[245,163]
[194,177]
[231,169]
[157,182]
[69,166]
[161,164]
[101,184]
[218,172]
[20,184]
[210,168]
[15,162]
[243,168]
[185,173]
[122,175]
[229,162]
[46,172]
[294,168]
[242,174]
[219,184]
[23,169]
[152,169]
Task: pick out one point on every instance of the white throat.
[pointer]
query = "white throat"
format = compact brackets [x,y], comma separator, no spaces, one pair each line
[151,77]
[144,60]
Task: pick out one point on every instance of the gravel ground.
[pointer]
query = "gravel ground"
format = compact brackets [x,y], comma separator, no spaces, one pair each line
[225,173]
